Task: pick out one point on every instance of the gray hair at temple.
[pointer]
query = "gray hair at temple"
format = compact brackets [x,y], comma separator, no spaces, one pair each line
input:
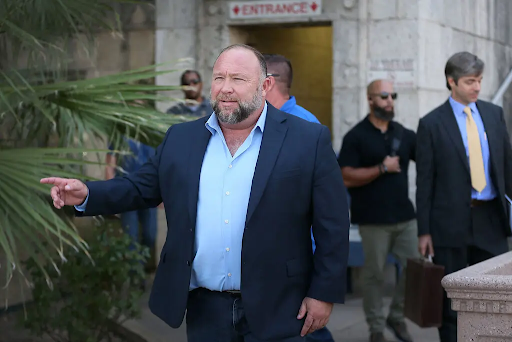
[462,64]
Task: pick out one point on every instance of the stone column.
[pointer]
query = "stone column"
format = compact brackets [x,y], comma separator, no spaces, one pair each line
[175,40]
[482,296]
[349,54]
[175,45]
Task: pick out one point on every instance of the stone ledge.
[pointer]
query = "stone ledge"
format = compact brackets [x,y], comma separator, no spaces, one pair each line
[482,296]
[490,280]
[484,287]
[488,306]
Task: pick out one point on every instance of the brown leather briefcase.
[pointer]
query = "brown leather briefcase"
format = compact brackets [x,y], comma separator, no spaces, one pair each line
[424,293]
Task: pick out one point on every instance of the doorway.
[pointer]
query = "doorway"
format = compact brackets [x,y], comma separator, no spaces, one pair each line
[309,49]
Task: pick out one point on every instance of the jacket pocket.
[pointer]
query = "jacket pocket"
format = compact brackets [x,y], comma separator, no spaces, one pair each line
[286,174]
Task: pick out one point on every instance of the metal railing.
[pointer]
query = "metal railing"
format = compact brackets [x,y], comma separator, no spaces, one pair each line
[498,97]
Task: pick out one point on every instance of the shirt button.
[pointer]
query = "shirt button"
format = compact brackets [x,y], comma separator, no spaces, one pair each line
[227,193]
[227,249]
[229,274]
[230,166]
[226,221]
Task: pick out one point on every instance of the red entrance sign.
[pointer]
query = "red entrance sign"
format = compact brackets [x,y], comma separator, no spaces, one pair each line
[267,9]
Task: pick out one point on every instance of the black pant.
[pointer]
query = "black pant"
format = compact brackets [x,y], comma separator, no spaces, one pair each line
[486,240]
[453,260]
[219,317]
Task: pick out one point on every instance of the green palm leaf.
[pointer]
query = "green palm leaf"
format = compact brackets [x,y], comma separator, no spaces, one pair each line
[28,221]
[76,112]
[41,107]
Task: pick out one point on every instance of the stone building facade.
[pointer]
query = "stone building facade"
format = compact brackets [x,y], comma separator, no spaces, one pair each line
[411,39]
[352,42]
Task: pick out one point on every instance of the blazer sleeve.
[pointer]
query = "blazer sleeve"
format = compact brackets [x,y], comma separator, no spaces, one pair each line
[139,190]
[330,225]
[424,177]
[508,156]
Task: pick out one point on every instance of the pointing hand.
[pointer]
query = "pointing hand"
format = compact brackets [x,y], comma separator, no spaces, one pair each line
[66,191]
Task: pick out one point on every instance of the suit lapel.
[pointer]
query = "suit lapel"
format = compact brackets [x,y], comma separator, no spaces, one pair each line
[489,127]
[452,128]
[273,136]
[195,162]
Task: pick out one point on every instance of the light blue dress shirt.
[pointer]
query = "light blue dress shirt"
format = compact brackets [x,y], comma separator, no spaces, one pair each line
[291,107]
[224,191]
[82,206]
[489,192]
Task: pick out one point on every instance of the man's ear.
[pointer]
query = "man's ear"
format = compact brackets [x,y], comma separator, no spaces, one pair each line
[451,82]
[271,83]
[268,85]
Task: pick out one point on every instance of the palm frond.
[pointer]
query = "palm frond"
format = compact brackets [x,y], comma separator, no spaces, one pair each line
[92,108]
[27,221]
[40,106]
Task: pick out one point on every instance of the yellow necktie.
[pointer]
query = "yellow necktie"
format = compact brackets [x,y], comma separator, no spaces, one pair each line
[476,161]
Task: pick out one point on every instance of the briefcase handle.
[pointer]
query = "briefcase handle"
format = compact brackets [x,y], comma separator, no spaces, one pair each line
[426,259]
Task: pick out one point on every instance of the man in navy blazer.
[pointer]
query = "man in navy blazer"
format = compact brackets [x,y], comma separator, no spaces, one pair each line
[241,190]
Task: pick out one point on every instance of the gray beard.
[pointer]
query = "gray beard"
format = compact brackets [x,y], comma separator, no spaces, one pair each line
[241,113]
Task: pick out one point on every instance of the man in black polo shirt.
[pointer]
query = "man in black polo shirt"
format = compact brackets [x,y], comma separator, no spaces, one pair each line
[374,160]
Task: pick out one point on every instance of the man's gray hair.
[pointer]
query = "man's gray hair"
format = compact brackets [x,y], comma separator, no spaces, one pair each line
[462,64]
[259,56]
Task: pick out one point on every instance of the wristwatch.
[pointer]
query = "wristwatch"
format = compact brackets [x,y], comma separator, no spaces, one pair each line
[383,168]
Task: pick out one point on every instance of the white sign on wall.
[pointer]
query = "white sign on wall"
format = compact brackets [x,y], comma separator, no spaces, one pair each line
[399,71]
[274,9]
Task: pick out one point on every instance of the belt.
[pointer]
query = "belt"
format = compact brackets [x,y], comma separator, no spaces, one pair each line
[476,203]
[234,292]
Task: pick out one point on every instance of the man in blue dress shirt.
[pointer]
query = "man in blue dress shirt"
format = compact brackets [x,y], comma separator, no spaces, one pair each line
[241,189]
[464,172]
[280,73]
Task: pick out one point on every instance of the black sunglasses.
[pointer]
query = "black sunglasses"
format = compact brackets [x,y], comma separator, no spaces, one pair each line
[274,75]
[384,95]
[195,81]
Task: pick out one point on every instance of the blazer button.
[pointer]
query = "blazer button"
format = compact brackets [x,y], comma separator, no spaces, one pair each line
[188,263]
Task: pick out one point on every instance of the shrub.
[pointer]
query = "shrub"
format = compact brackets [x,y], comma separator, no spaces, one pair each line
[82,299]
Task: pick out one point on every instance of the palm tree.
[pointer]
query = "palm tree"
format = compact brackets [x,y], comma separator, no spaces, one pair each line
[47,117]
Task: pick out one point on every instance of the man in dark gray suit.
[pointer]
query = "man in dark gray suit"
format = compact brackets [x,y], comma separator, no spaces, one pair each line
[464,170]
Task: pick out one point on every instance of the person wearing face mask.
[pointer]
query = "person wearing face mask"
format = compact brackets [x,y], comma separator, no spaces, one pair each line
[374,160]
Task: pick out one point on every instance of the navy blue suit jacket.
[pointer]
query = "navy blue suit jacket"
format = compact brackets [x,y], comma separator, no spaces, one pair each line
[297,184]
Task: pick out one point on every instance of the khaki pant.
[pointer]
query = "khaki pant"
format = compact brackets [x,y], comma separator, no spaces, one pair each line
[401,240]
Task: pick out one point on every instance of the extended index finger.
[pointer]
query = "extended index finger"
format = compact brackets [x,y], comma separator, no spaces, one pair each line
[54,180]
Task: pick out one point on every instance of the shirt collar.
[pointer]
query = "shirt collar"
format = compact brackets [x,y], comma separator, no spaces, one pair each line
[369,124]
[458,108]
[289,104]
[213,124]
